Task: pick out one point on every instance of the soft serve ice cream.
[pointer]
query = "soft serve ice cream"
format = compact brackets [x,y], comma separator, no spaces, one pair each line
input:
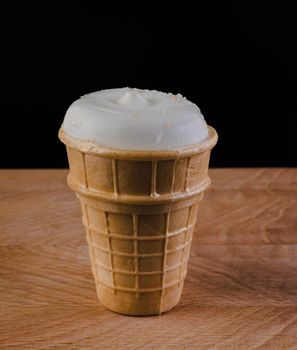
[138,164]
[134,119]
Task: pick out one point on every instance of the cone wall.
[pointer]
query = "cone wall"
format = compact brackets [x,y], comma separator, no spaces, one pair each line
[139,209]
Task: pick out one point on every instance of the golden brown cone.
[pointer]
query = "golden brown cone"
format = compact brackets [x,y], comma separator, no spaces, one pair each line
[139,209]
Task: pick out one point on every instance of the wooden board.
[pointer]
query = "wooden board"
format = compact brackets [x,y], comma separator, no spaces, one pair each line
[240,292]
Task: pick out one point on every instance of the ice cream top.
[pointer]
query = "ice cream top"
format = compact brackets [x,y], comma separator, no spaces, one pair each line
[135,119]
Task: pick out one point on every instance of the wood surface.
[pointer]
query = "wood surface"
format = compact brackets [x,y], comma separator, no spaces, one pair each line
[240,291]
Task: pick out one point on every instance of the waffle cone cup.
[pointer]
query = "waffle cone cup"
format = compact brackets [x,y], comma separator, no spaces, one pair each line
[139,209]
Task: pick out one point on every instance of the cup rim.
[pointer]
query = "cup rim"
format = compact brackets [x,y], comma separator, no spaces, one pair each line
[91,148]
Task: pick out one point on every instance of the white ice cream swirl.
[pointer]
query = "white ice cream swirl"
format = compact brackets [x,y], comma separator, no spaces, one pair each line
[135,119]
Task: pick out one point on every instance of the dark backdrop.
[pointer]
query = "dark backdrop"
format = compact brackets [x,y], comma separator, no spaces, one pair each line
[237,63]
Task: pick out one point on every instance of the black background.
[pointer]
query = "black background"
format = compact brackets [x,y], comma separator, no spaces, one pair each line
[238,63]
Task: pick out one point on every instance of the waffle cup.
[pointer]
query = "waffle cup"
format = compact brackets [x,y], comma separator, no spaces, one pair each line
[139,209]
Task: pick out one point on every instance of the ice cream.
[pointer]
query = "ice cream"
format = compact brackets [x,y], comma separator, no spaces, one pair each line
[134,119]
[139,166]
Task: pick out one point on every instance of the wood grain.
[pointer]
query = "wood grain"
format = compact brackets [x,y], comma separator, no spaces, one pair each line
[240,292]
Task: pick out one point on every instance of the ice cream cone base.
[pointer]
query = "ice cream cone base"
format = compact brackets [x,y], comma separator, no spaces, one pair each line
[144,305]
[139,253]
[139,210]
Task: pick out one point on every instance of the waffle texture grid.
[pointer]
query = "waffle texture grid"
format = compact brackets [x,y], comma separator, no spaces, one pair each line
[139,211]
